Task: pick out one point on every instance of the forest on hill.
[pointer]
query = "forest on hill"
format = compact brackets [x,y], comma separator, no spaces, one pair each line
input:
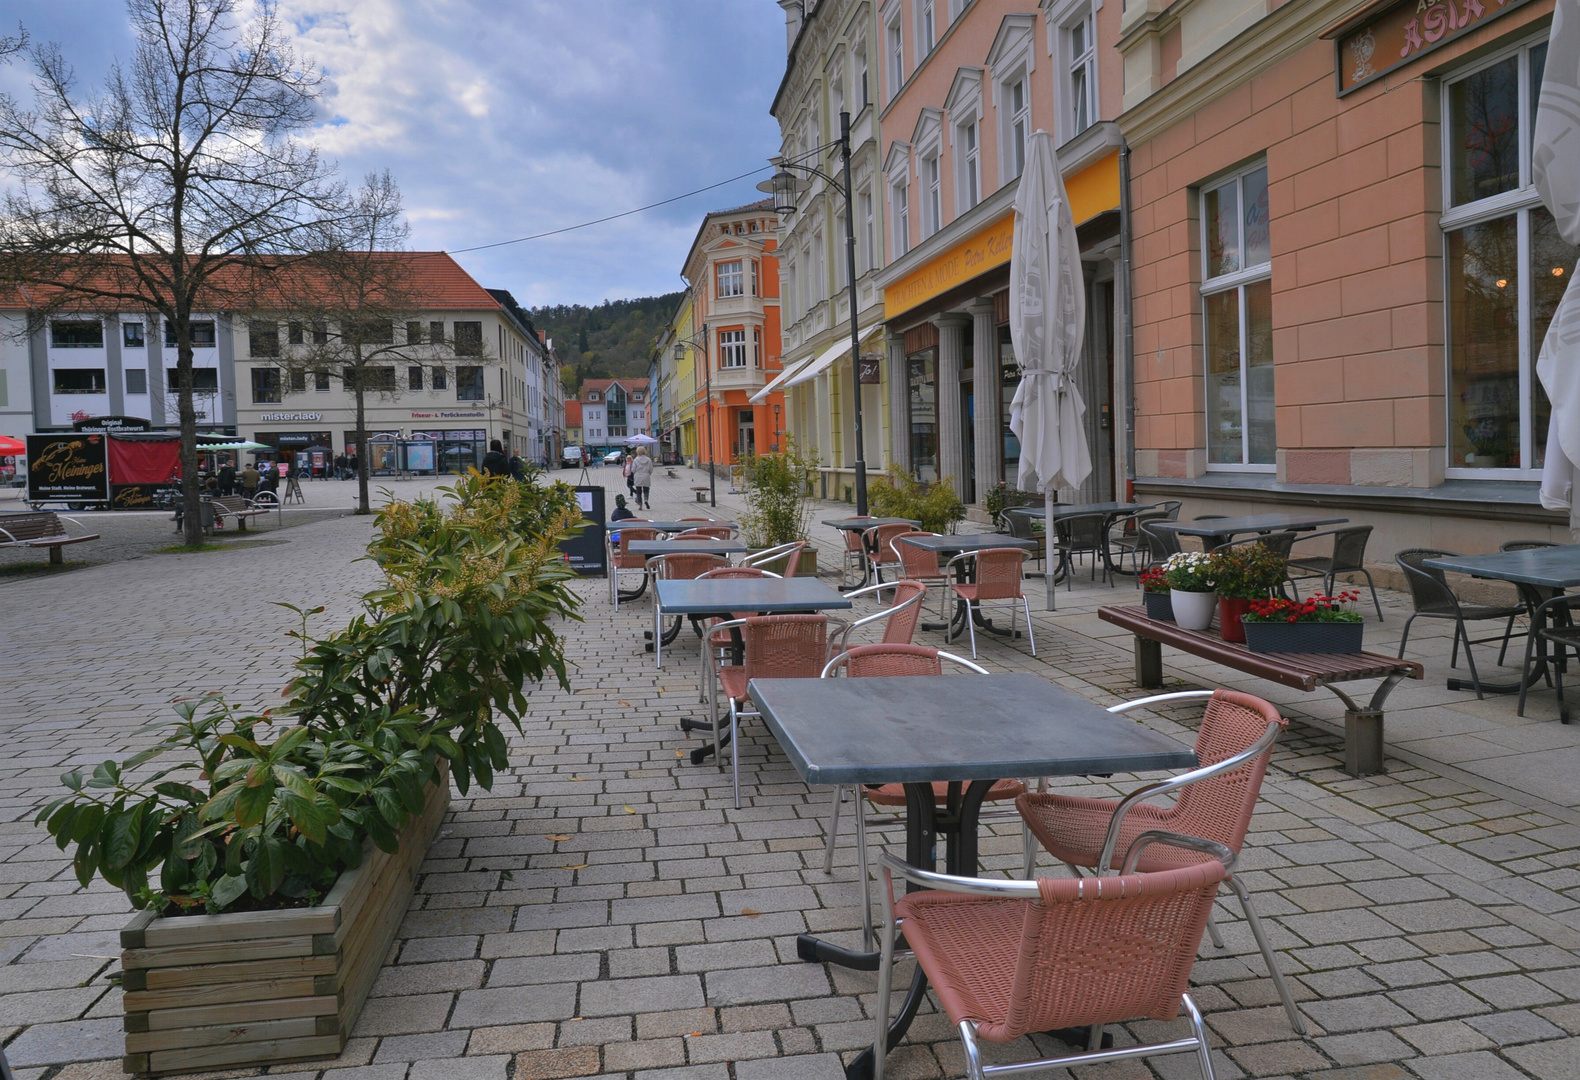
[609,341]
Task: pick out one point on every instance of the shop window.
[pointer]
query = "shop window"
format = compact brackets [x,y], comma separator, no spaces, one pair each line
[468,381]
[265,385]
[132,335]
[1506,268]
[137,380]
[263,339]
[923,399]
[730,279]
[202,334]
[79,381]
[76,334]
[732,348]
[1237,311]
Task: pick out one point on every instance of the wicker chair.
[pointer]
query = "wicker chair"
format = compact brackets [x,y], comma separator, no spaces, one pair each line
[678,566]
[620,557]
[725,640]
[1010,958]
[775,647]
[707,532]
[854,555]
[878,661]
[1077,535]
[919,564]
[1348,557]
[877,545]
[1023,526]
[1215,801]
[1433,599]
[998,577]
[1161,543]
[900,619]
[1126,541]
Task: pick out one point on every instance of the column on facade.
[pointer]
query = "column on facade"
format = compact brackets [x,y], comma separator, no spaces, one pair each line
[987,396]
[899,404]
[951,426]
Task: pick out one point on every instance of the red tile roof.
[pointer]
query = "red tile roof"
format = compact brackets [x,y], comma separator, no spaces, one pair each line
[573,413]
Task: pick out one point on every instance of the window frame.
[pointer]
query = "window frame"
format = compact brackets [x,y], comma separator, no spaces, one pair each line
[729,279]
[732,349]
[1233,281]
[968,161]
[142,376]
[55,324]
[1518,204]
[267,390]
[129,330]
[894,52]
[467,374]
[932,185]
[1084,15]
[1012,158]
[926,29]
[899,214]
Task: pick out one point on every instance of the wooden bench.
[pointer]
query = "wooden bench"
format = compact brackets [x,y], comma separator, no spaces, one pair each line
[238,507]
[41,529]
[701,491]
[1363,727]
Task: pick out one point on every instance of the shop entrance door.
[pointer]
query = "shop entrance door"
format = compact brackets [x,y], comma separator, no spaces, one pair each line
[745,433]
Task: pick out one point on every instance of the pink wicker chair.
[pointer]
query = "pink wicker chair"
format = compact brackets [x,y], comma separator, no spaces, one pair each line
[1008,958]
[919,564]
[776,647]
[877,544]
[725,640]
[677,566]
[900,619]
[854,554]
[706,533]
[1215,802]
[620,557]
[999,574]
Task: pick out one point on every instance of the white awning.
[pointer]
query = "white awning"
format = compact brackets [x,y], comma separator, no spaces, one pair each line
[777,382]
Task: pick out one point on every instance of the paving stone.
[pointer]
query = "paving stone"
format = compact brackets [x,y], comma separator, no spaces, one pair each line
[641,995]
[510,1038]
[466,1068]
[438,1044]
[742,986]
[1440,1002]
[1479,1065]
[1556,1060]
[805,1067]
[60,1044]
[1512,991]
[1364,1047]
[513,1005]
[1509,1028]
[1269,1059]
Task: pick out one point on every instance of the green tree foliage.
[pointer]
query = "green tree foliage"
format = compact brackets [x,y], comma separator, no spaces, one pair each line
[613,340]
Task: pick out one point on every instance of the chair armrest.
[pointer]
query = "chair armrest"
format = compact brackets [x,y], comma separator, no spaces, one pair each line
[893,867]
[960,558]
[865,589]
[1174,783]
[1178,695]
[1173,839]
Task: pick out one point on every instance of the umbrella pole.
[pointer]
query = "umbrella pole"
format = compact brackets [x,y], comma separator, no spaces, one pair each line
[1047,539]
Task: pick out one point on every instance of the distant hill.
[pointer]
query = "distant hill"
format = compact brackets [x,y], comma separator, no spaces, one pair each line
[611,341]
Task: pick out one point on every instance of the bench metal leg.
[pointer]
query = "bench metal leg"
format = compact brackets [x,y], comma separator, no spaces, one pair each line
[56,557]
[1149,663]
[1363,729]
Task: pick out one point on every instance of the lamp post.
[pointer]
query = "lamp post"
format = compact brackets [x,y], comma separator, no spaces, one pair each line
[700,343]
[784,186]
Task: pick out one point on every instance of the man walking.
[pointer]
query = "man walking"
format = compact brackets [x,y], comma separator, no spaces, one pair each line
[642,478]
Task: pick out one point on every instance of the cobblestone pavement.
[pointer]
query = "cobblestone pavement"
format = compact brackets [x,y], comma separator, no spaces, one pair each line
[605,912]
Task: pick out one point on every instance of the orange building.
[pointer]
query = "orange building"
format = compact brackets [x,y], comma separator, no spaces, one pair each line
[734,279]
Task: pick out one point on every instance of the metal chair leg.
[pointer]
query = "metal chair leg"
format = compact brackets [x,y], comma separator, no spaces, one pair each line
[1267,955]
[735,750]
[1031,637]
[971,627]
[1212,932]
[1203,1047]
[861,868]
[1028,851]
[833,831]
[1475,680]
[1406,637]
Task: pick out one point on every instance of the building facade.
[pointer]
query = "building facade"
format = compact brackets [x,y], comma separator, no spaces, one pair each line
[612,410]
[733,277]
[1343,273]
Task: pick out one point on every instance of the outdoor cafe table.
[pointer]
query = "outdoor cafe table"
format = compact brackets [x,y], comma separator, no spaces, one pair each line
[1529,570]
[968,730]
[1067,510]
[671,526]
[861,525]
[696,547]
[709,597]
[1251,523]
[951,546]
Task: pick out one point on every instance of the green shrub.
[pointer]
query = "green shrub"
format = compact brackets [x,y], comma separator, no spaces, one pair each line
[899,494]
[777,509]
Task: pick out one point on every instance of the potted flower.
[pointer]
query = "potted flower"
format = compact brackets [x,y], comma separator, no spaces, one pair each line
[1317,624]
[1192,594]
[1156,595]
[1243,572]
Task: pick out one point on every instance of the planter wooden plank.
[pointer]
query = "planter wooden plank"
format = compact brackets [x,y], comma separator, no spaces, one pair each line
[216,974]
[198,929]
[219,952]
[240,1012]
[188,1038]
[213,1057]
[190,996]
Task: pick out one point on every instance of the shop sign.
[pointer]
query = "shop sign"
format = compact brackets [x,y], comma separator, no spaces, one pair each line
[67,467]
[1370,49]
[294,416]
[870,370]
[133,496]
[970,258]
[472,415]
[110,423]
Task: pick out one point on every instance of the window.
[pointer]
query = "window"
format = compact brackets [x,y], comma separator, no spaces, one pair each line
[755,285]
[320,334]
[263,339]
[76,334]
[414,377]
[468,381]
[204,380]
[438,379]
[894,53]
[868,253]
[202,334]
[293,333]
[370,331]
[298,381]
[468,342]
[436,333]
[926,36]
[320,380]
[757,347]
[729,279]
[932,197]
[1506,267]
[1237,304]
[732,348]
[132,335]
[1080,60]
[900,214]
[1017,124]
[266,385]
[968,160]
[79,381]
[859,79]
[137,380]
[414,333]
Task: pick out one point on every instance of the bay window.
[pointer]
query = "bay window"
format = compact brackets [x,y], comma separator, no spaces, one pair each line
[732,348]
[1237,316]
[730,279]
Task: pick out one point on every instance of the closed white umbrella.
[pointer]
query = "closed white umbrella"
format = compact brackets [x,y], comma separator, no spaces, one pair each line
[1556,170]
[1047,320]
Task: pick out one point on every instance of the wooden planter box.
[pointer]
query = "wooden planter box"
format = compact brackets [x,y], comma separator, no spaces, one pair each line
[807,567]
[1289,637]
[252,988]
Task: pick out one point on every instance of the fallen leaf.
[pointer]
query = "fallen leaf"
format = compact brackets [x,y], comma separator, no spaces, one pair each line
[629,810]
[750,913]
[578,778]
[556,838]
[578,866]
[680,753]
[628,705]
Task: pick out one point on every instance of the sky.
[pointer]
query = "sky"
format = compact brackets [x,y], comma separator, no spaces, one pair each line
[504,118]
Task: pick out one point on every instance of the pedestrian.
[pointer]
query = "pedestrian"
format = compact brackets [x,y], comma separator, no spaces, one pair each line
[642,478]
[621,511]
[518,468]
[250,479]
[495,463]
[630,483]
[227,479]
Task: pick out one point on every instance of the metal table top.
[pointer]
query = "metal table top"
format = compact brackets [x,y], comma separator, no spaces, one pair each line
[773,595]
[1064,510]
[672,526]
[954,545]
[1555,567]
[694,547]
[952,727]
[862,524]
[1252,523]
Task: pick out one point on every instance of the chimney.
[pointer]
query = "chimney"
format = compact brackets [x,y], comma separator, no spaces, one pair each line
[543,336]
[795,15]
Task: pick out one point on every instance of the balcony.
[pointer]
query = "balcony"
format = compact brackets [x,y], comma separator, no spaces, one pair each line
[746,378]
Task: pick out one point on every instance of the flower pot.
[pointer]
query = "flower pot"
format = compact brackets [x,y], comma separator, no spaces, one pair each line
[1193,610]
[252,988]
[1159,606]
[1230,608]
[1306,637]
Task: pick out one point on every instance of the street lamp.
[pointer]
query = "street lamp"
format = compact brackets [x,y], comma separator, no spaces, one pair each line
[783,186]
[700,342]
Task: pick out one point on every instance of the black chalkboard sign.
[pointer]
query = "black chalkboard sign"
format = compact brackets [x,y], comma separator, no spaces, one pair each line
[586,551]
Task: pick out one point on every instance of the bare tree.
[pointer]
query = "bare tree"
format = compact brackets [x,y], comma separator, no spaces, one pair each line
[354,314]
[160,192]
